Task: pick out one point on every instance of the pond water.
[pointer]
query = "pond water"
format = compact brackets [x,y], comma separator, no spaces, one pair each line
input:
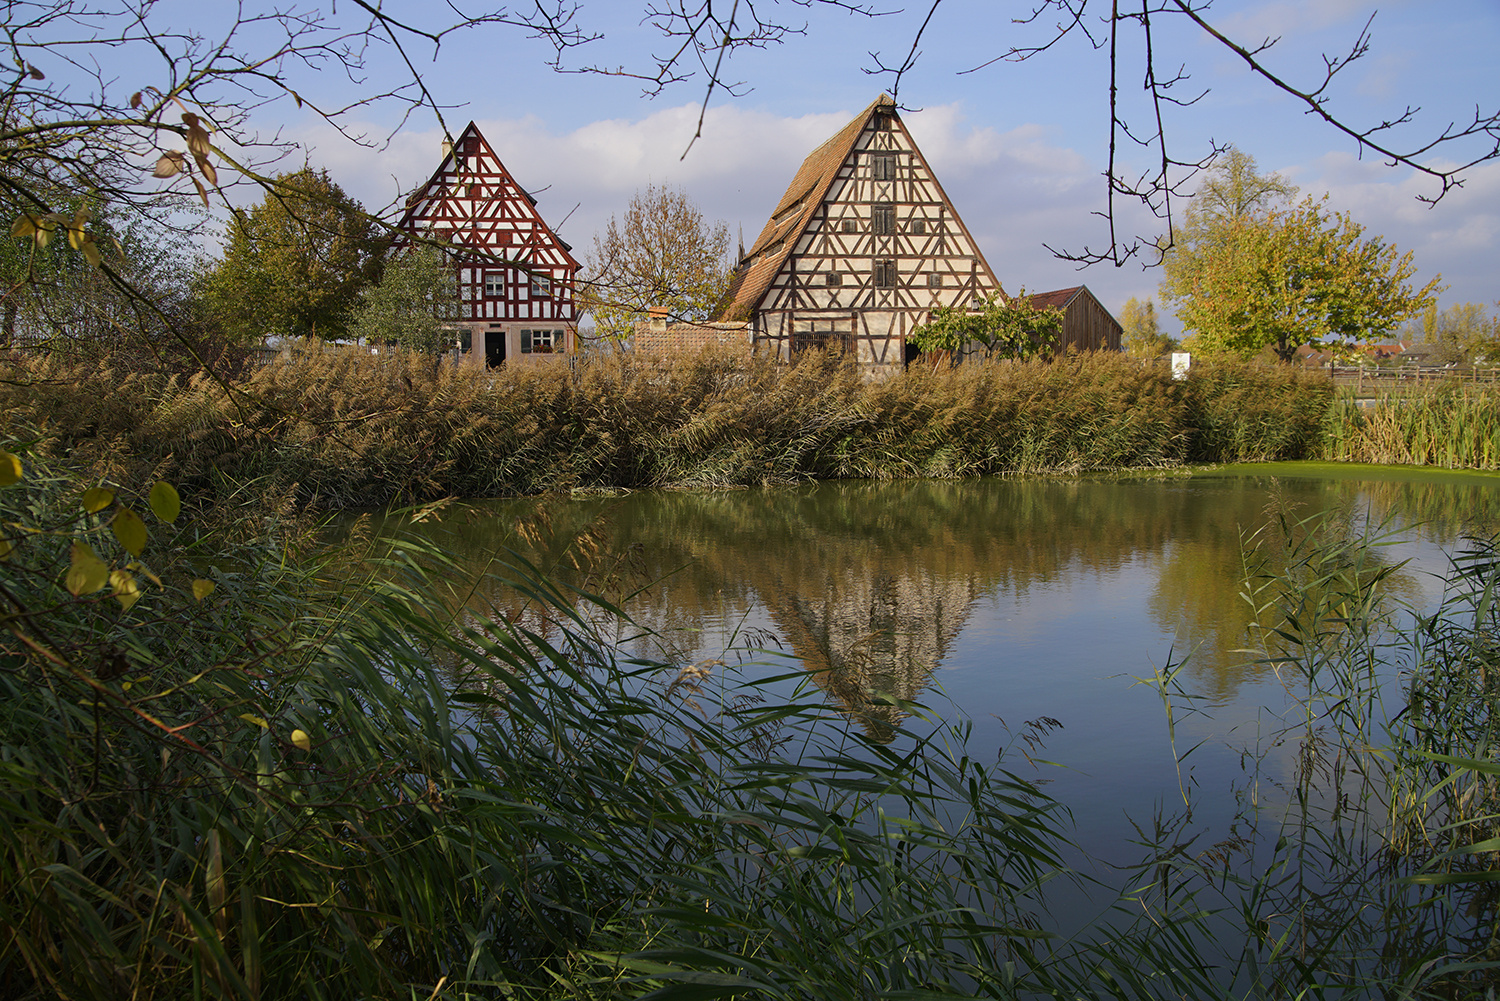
[1002,600]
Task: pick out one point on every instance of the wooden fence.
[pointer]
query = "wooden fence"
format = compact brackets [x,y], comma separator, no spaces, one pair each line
[1385,379]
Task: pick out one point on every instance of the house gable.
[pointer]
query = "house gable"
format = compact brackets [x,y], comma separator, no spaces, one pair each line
[511,267]
[860,249]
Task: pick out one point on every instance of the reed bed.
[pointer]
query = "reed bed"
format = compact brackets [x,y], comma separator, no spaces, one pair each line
[341,428]
[1454,427]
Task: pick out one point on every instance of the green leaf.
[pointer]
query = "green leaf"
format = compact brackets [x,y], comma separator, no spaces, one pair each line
[10,469]
[130,530]
[96,499]
[86,571]
[165,501]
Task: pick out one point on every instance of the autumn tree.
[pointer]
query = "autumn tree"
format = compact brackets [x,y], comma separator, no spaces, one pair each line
[1291,277]
[130,279]
[1005,327]
[295,263]
[661,255]
[1231,194]
[1248,270]
[1464,334]
[416,294]
[1141,335]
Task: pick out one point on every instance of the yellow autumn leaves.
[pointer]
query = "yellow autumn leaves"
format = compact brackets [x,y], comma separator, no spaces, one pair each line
[40,228]
[87,572]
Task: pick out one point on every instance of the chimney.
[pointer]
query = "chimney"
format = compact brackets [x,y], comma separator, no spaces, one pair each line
[447,148]
[658,315]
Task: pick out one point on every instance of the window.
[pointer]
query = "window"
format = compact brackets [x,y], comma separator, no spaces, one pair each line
[849,226]
[834,278]
[882,122]
[494,283]
[885,274]
[934,280]
[883,166]
[883,219]
[541,342]
[832,334]
[541,286]
[918,227]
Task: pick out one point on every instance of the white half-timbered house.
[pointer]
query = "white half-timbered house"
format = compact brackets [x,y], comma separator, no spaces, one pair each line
[859,251]
[516,278]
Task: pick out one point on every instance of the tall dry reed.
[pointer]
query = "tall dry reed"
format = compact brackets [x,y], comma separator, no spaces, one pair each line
[339,428]
[1455,427]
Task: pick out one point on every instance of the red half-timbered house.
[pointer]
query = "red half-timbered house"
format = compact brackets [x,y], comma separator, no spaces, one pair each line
[860,250]
[516,279]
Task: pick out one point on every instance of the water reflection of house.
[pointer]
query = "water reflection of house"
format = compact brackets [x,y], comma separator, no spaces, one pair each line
[869,638]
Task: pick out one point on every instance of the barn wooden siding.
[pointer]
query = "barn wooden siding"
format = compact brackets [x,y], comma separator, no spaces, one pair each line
[1087,325]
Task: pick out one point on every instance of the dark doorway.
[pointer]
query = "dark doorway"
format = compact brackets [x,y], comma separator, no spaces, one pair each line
[912,351]
[494,347]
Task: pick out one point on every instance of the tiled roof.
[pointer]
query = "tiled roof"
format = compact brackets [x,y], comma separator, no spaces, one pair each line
[756,272]
[1059,298]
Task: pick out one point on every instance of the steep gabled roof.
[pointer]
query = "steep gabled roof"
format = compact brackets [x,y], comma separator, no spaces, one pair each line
[447,199]
[753,276]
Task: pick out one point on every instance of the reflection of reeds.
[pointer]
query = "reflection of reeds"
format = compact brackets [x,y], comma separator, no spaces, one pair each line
[1366,843]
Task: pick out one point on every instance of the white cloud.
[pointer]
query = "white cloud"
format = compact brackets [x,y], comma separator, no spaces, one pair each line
[1016,190]
[1458,237]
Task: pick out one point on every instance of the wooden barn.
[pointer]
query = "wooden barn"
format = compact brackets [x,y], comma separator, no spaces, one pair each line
[860,249]
[516,278]
[1087,325]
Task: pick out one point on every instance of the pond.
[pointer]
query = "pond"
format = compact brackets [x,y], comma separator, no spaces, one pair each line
[1031,607]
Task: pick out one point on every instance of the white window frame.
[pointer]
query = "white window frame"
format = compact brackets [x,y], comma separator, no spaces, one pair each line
[541,340]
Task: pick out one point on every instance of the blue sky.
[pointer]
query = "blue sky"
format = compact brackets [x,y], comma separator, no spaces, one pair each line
[1020,148]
